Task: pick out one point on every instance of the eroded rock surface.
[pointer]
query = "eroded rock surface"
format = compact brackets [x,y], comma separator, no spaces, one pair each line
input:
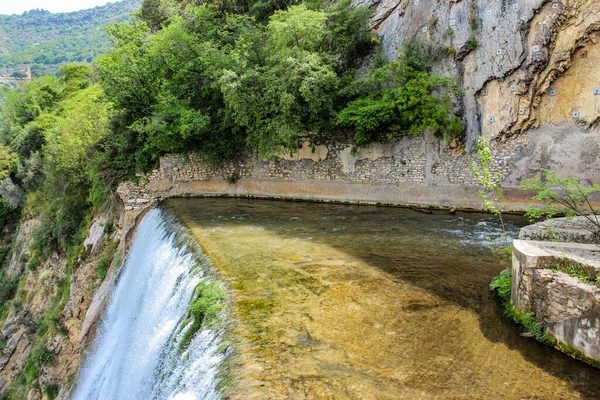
[42,289]
[521,64]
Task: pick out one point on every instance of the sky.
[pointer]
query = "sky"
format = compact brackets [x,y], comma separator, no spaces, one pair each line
[18,6]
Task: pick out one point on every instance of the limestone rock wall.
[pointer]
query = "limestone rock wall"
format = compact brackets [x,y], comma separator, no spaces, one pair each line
[520,63]
[41,290]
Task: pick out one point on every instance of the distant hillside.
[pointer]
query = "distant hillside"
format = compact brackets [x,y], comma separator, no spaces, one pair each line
[48,40]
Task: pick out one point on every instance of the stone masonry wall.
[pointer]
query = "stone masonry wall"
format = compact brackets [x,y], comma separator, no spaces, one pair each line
[568,308]
[417,170]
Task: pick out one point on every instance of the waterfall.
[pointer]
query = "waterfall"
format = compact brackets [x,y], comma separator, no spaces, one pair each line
[136,355]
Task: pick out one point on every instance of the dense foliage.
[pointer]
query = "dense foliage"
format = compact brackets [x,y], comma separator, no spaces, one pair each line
[224,79]
[48,40]
[203,78]
[50,130]
[563,196]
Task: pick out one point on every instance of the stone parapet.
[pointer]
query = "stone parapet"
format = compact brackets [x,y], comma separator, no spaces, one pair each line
[573,230]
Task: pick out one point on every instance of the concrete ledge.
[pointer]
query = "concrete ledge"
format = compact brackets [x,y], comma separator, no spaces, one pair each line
[441,196]
[577,229]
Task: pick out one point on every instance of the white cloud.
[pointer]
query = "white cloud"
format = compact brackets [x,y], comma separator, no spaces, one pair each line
[55,6]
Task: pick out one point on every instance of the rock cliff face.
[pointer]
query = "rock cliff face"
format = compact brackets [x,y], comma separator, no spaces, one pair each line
[58,303]
[521,64]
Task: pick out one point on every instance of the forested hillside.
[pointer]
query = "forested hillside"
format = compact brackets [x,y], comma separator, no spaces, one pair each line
[48,40]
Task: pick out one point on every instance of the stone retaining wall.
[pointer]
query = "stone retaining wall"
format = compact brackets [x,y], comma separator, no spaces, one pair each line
[420,171]
[568,307]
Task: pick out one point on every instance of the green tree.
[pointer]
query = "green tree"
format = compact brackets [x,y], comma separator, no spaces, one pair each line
[296,28]
[153,14]
[83,122]
[7,162]
[76,76]
[560,195]
[348,34]
[292,92]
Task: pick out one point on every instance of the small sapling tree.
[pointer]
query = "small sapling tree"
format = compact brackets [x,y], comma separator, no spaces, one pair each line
[563,196]
[492,193]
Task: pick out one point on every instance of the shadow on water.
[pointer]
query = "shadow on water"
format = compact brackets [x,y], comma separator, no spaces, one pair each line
[445,255]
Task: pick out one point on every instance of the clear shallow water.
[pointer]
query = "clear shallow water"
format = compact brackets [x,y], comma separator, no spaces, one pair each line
[364,302]
[136,355]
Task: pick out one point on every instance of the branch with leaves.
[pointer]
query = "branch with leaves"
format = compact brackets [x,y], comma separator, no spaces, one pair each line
[562,196]
[492,195]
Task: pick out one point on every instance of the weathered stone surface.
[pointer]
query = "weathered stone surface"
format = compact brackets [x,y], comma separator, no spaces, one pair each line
[36,294]
[96,233]
[307,151]
[101,296]
[407,171]
[568,307]
[21,248]
[576,230]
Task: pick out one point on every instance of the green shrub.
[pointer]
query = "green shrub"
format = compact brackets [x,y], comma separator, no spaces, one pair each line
[563,196]
[209,300]
[34,261]
[51,391]
[4,256]
[5,212]
[39,357]
[528,322]
[232,179]
[61,222]
[102,267]
[502,285]
[417,102]
[471,44]
[404,98]
[105,259]
[449,33]
[109,227]
[582,272]
[8,287]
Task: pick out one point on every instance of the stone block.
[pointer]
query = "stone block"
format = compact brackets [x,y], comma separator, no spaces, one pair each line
[567,306]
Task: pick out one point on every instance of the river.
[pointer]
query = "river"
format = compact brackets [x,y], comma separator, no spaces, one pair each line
[329,302]
[363,302]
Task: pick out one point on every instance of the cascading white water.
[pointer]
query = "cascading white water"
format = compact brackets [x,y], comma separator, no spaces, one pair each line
[137,355]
